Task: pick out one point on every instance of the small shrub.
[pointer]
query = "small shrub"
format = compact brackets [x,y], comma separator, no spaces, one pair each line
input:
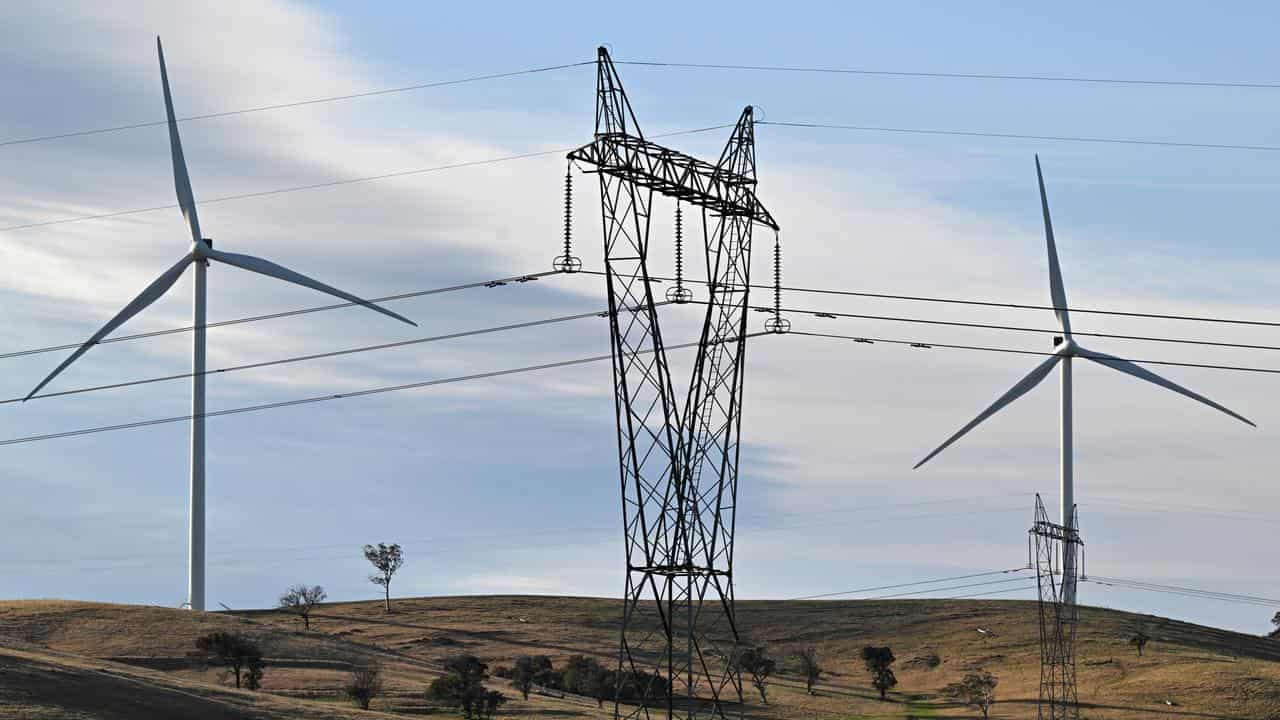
[365,683]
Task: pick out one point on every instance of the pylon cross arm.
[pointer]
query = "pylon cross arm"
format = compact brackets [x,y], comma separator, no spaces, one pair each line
[674,174]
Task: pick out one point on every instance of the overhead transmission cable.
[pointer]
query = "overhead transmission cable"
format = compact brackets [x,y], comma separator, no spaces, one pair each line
[547,321]
[332,396]
[561,151]
[1019,136]
[1017,328]
[1228,84]
[981,303]
[1236,84]
[914,593]
[1128,584]
[496,282]
[952,578]
[330,183]
[534,323]
[1013,351]
[313,356]
[298,103]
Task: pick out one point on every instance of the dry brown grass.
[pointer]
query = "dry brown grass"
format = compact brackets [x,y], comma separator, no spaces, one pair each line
[1210,674]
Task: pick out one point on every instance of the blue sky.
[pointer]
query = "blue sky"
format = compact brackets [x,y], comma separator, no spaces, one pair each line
[508,485]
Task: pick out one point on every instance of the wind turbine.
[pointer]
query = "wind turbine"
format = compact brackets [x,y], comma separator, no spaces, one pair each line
[1066,348]
[200,254]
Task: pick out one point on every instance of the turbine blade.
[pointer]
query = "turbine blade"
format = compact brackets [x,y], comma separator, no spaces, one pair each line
[181,181]
[270,269]
[153,292]
[1142,373]
[1032,379]
[1057,292]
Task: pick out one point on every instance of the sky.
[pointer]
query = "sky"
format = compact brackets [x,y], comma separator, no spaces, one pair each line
[509,485]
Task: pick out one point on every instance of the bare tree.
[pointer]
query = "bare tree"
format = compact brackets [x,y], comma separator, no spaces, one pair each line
[809,667]
[1275,620]
[365,683]
[301,600]
[386,559]
[977,690]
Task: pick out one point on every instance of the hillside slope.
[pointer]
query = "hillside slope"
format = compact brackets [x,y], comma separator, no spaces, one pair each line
[1206,673]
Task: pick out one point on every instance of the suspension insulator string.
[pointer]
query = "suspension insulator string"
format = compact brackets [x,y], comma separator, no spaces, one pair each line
[679,293]
[777,323]
[567,263]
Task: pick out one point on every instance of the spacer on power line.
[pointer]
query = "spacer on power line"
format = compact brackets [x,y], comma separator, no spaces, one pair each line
[567,263]
[777,325]
[679,294]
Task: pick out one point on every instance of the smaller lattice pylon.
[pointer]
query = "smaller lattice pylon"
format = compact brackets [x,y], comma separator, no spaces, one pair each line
[567,263]
[679,294]
[776,323]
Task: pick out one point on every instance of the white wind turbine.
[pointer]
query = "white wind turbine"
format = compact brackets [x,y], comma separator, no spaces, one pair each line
[200,254]
[1066,348]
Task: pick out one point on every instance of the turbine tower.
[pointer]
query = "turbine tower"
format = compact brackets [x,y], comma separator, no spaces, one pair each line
[200,254]
[1065,349]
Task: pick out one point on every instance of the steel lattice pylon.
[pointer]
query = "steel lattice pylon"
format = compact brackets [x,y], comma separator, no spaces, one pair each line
[678,465]
[1055,548]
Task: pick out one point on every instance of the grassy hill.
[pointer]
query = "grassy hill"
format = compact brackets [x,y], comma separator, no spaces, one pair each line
[82,660]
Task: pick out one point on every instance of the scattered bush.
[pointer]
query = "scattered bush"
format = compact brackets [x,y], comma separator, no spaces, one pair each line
[807,659]
[587,677]
[463,687]
[754,660]
[878,661]
[531,670]
[241,657]
[365,683]
[1139,639]
[977,690]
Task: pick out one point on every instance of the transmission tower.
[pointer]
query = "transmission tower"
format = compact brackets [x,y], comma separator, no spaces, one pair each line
[1056,547]
[678,462]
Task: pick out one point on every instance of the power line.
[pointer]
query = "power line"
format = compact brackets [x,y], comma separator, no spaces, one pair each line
[547,321]
[313,356]
[297,103]
[496,282]
[952,578]
[1018,136]
[983,348]
[269,406]
[1017,328]
[961,76]
[522,156]
[326,398]
[329,183]
[1232,84]
[949,588]
[982,303]
[1178,590]
[970,596]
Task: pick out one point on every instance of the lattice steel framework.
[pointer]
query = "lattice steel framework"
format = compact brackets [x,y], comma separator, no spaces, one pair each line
[678,464]
[1056,548]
